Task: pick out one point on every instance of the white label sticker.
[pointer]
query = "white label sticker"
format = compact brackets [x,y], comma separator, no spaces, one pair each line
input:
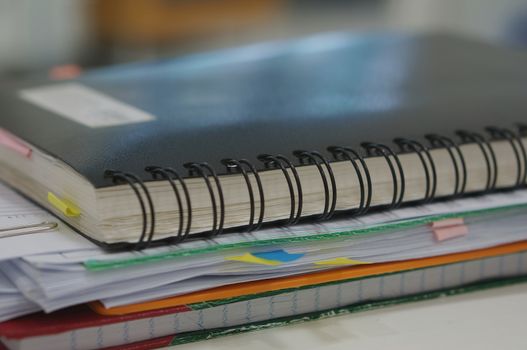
[84,105]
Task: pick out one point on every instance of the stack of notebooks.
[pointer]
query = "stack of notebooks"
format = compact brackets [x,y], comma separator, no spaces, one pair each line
[156,204]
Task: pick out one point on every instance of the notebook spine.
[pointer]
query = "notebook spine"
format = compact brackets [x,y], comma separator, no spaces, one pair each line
[324,167]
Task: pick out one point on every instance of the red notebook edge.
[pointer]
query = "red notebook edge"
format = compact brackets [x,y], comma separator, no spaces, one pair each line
[148,344]
[39,324]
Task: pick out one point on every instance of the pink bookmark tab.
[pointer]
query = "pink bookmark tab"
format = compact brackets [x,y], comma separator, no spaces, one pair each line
[448,222]
[442,234]
[14,143]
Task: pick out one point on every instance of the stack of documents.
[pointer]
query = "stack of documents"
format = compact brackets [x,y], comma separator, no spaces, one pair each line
[246,281]
[259,186]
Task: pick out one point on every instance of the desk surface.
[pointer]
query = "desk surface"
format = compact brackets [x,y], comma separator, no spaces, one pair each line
[490,319]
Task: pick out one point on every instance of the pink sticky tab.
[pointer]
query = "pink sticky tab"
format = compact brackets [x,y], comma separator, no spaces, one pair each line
[14,143]
[450,232]
[448,222]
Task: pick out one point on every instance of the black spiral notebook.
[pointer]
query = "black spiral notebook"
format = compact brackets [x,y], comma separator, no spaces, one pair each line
[274,132]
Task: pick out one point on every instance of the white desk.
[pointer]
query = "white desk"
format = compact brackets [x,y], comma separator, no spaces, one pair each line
[491,319]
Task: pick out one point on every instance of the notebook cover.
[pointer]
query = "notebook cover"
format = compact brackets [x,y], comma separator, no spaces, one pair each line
[249,290]
[330,89]
[284,321]
[372,305]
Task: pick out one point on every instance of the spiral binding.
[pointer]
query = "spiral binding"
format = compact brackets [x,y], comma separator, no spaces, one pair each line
[406,145]
[239,165]
[316,158]
[201,169]
[439,141]
[346,153]
[327,177]
[517,147]
[488,154]
[131,179]
[277,162]
[387,152]
[169,175]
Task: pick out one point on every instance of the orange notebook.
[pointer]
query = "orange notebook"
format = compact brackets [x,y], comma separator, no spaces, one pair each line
[353,272]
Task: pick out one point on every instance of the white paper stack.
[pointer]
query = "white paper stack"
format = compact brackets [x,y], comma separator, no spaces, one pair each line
[58,268]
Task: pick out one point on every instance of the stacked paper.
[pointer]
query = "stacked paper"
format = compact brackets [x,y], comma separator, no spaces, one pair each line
[57,269]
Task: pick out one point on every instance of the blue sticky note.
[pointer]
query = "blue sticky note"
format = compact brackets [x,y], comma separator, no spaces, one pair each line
[278,255]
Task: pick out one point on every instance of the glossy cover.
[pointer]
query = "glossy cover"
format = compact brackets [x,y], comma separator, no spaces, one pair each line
[330,89]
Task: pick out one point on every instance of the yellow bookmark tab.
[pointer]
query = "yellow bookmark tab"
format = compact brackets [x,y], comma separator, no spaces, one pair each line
[251,259]
[341,261]
[65,207]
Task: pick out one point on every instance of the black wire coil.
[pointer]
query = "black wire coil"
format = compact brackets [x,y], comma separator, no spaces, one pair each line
[290,172]
[239,165]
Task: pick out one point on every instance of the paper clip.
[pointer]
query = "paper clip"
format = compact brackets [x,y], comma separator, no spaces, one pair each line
[27,229]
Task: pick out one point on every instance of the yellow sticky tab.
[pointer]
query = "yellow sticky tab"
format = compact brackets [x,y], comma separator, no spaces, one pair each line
[341,261]
[65,207]
[251,259]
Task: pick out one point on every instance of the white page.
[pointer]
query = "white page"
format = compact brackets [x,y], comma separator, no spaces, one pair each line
[17,211]
[30,289]
[52,295]
[406,244]
[6,287]
[15,305]
[494,200]
[181,288]
[12,302]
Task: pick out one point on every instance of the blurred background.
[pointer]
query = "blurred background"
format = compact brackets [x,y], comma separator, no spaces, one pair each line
[37,35]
